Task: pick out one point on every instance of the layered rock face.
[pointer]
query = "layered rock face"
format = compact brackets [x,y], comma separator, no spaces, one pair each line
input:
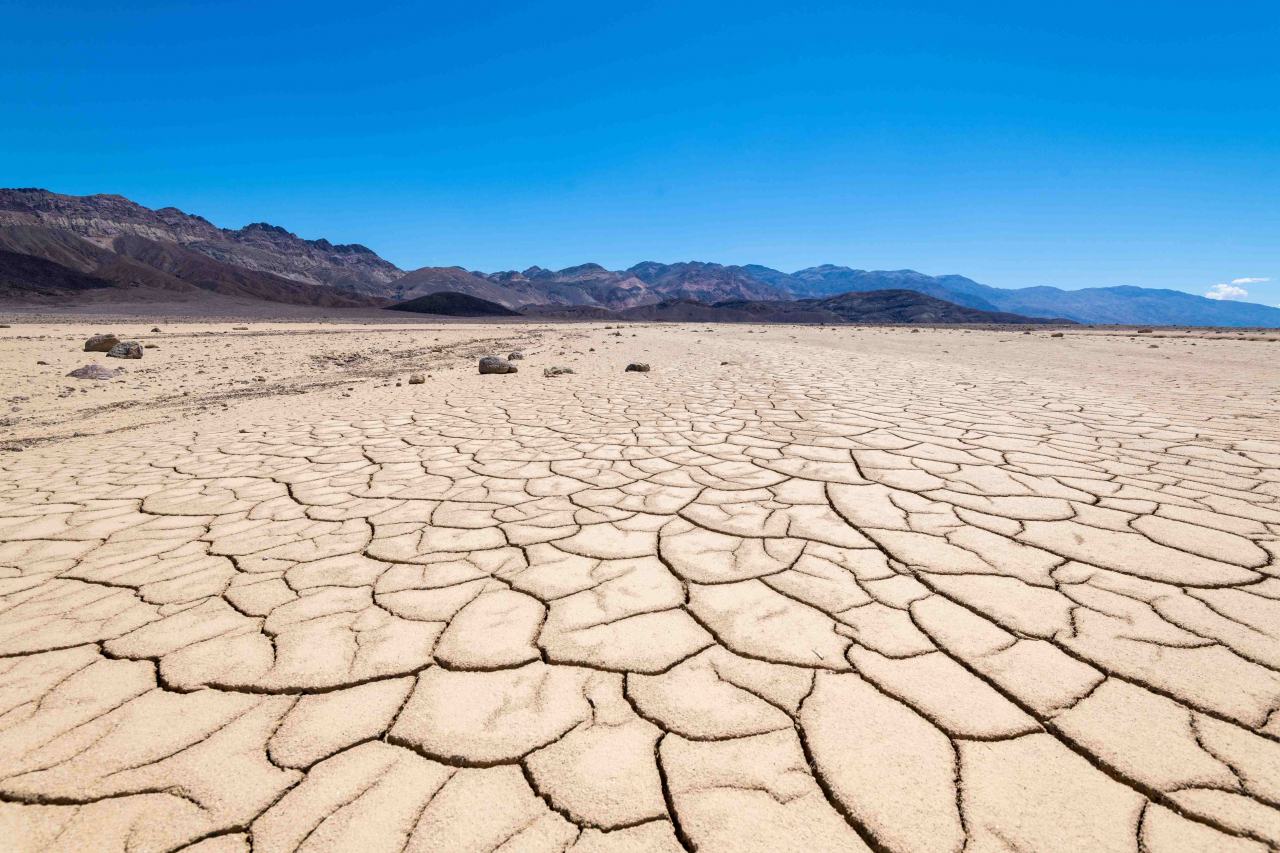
[262,247]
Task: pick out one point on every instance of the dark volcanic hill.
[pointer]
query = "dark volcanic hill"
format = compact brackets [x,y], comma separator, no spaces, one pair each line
[23,275]
[261,247]
[910,306]
[880,306]
[453,305]
[427,280]
[729,311]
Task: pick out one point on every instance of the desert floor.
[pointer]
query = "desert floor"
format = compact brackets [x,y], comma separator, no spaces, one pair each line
[795,589]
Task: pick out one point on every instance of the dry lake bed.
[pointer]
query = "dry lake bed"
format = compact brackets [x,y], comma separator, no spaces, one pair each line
[793,589]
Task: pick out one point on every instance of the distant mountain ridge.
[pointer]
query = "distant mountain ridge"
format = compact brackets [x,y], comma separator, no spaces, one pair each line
[1109,305]
[646,283]
[263,261]
[879,306]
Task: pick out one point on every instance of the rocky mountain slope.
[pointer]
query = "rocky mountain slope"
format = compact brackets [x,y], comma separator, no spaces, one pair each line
[646,283]
[261,247]
[139,269]
[881,306]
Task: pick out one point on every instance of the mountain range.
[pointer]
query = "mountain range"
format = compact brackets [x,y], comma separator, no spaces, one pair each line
[876,306]
[142,254]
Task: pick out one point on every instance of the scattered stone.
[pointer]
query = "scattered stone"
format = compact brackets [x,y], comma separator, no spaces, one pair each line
[94,371]
[259,379]
[417,379]
[126,349]
[101,343]
[493,364]
[239,328]
[556,370]
[1145,331]
[6,326]
[637,367]
[155,328]
[516,356]
[151,346]
[1154,346]
[1056,335]
[43,362]
[915,331]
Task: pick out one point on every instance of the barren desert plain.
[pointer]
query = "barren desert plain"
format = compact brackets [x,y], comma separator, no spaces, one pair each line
[905,590]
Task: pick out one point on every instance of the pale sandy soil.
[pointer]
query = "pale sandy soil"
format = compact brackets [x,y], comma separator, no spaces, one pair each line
[795,589]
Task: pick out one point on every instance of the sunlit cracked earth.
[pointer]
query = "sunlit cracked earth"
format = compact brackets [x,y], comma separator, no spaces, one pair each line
[814,600]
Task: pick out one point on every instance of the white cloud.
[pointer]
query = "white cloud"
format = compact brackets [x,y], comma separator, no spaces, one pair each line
[1249,280]
[1227,291]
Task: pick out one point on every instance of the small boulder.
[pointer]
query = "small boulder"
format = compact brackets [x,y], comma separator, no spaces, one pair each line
[493,364]
[556,371]
[94,371]
[637,367]
[151,346]
[417,379]
[239,328]
[101,343]
[126,349]
[1056,335]
[516,356]
[155,328]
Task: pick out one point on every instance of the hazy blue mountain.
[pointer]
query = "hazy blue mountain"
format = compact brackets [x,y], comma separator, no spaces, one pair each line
[1135,305]
[828,280]
[1121,305]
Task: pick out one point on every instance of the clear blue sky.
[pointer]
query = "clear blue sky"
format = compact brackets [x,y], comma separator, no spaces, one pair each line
[1068,144]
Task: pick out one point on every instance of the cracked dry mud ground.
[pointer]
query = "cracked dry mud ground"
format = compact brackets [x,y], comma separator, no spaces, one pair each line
[812,601]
